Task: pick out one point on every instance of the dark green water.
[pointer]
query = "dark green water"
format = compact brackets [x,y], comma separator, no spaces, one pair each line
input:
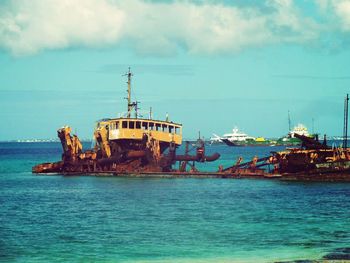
[94,219]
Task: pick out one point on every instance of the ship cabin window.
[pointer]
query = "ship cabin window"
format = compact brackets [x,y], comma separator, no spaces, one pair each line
[177,130]
[171,129]
[151,126]
[131,125]
[157,126]
[138,125]
[164,128]
[114,125]
[144,126]
[124,124]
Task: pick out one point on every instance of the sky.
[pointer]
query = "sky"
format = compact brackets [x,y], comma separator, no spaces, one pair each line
[211,65]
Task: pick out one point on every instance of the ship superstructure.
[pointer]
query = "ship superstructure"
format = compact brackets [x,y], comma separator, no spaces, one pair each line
[131,133]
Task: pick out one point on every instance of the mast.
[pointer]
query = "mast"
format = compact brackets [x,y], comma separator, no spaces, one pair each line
[345,131]
[130,105]
[289,128]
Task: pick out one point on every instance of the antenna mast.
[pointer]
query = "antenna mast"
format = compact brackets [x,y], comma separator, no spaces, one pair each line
[289,128]
[130,105]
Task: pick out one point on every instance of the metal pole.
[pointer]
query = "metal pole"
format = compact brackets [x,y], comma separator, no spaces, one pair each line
[289,124]
[129,93]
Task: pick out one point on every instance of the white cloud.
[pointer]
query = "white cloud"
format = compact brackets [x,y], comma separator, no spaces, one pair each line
[27,27]
[342,10]
[337,12]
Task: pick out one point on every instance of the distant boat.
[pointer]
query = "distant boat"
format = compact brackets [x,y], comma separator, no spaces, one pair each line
[239,138]
[236,136]
[291,140]
[300,129]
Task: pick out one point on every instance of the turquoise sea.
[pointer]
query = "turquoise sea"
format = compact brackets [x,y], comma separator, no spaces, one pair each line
[109,219]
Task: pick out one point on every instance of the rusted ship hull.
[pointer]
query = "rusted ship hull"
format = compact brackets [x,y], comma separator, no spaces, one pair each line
[314,162]
[321,164]
[136,157]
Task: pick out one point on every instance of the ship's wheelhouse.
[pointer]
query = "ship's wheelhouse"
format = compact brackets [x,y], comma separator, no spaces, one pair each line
[135,129]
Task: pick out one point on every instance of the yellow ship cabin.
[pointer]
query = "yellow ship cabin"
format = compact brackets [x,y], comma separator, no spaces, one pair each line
[135,129]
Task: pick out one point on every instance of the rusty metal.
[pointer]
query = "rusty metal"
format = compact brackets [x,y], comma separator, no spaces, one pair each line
[313,161]
[311,143]
[255,162]
[126,160]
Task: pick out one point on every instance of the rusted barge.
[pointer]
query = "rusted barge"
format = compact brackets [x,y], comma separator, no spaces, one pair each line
[315,161]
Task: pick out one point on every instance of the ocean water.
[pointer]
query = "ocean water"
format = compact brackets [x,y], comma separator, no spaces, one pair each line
[109,219]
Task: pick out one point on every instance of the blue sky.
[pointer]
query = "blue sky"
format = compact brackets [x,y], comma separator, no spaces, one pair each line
[211,65]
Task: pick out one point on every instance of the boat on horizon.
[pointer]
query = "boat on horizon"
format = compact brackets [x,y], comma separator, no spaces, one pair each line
[239,138]
[291,140]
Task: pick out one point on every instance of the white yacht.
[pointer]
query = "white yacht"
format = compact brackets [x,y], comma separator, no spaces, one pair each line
[300,129]
[237,136]
[290,139]
[231,138]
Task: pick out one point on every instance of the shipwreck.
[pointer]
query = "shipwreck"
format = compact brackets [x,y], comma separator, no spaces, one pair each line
[134,146]
[126,145]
